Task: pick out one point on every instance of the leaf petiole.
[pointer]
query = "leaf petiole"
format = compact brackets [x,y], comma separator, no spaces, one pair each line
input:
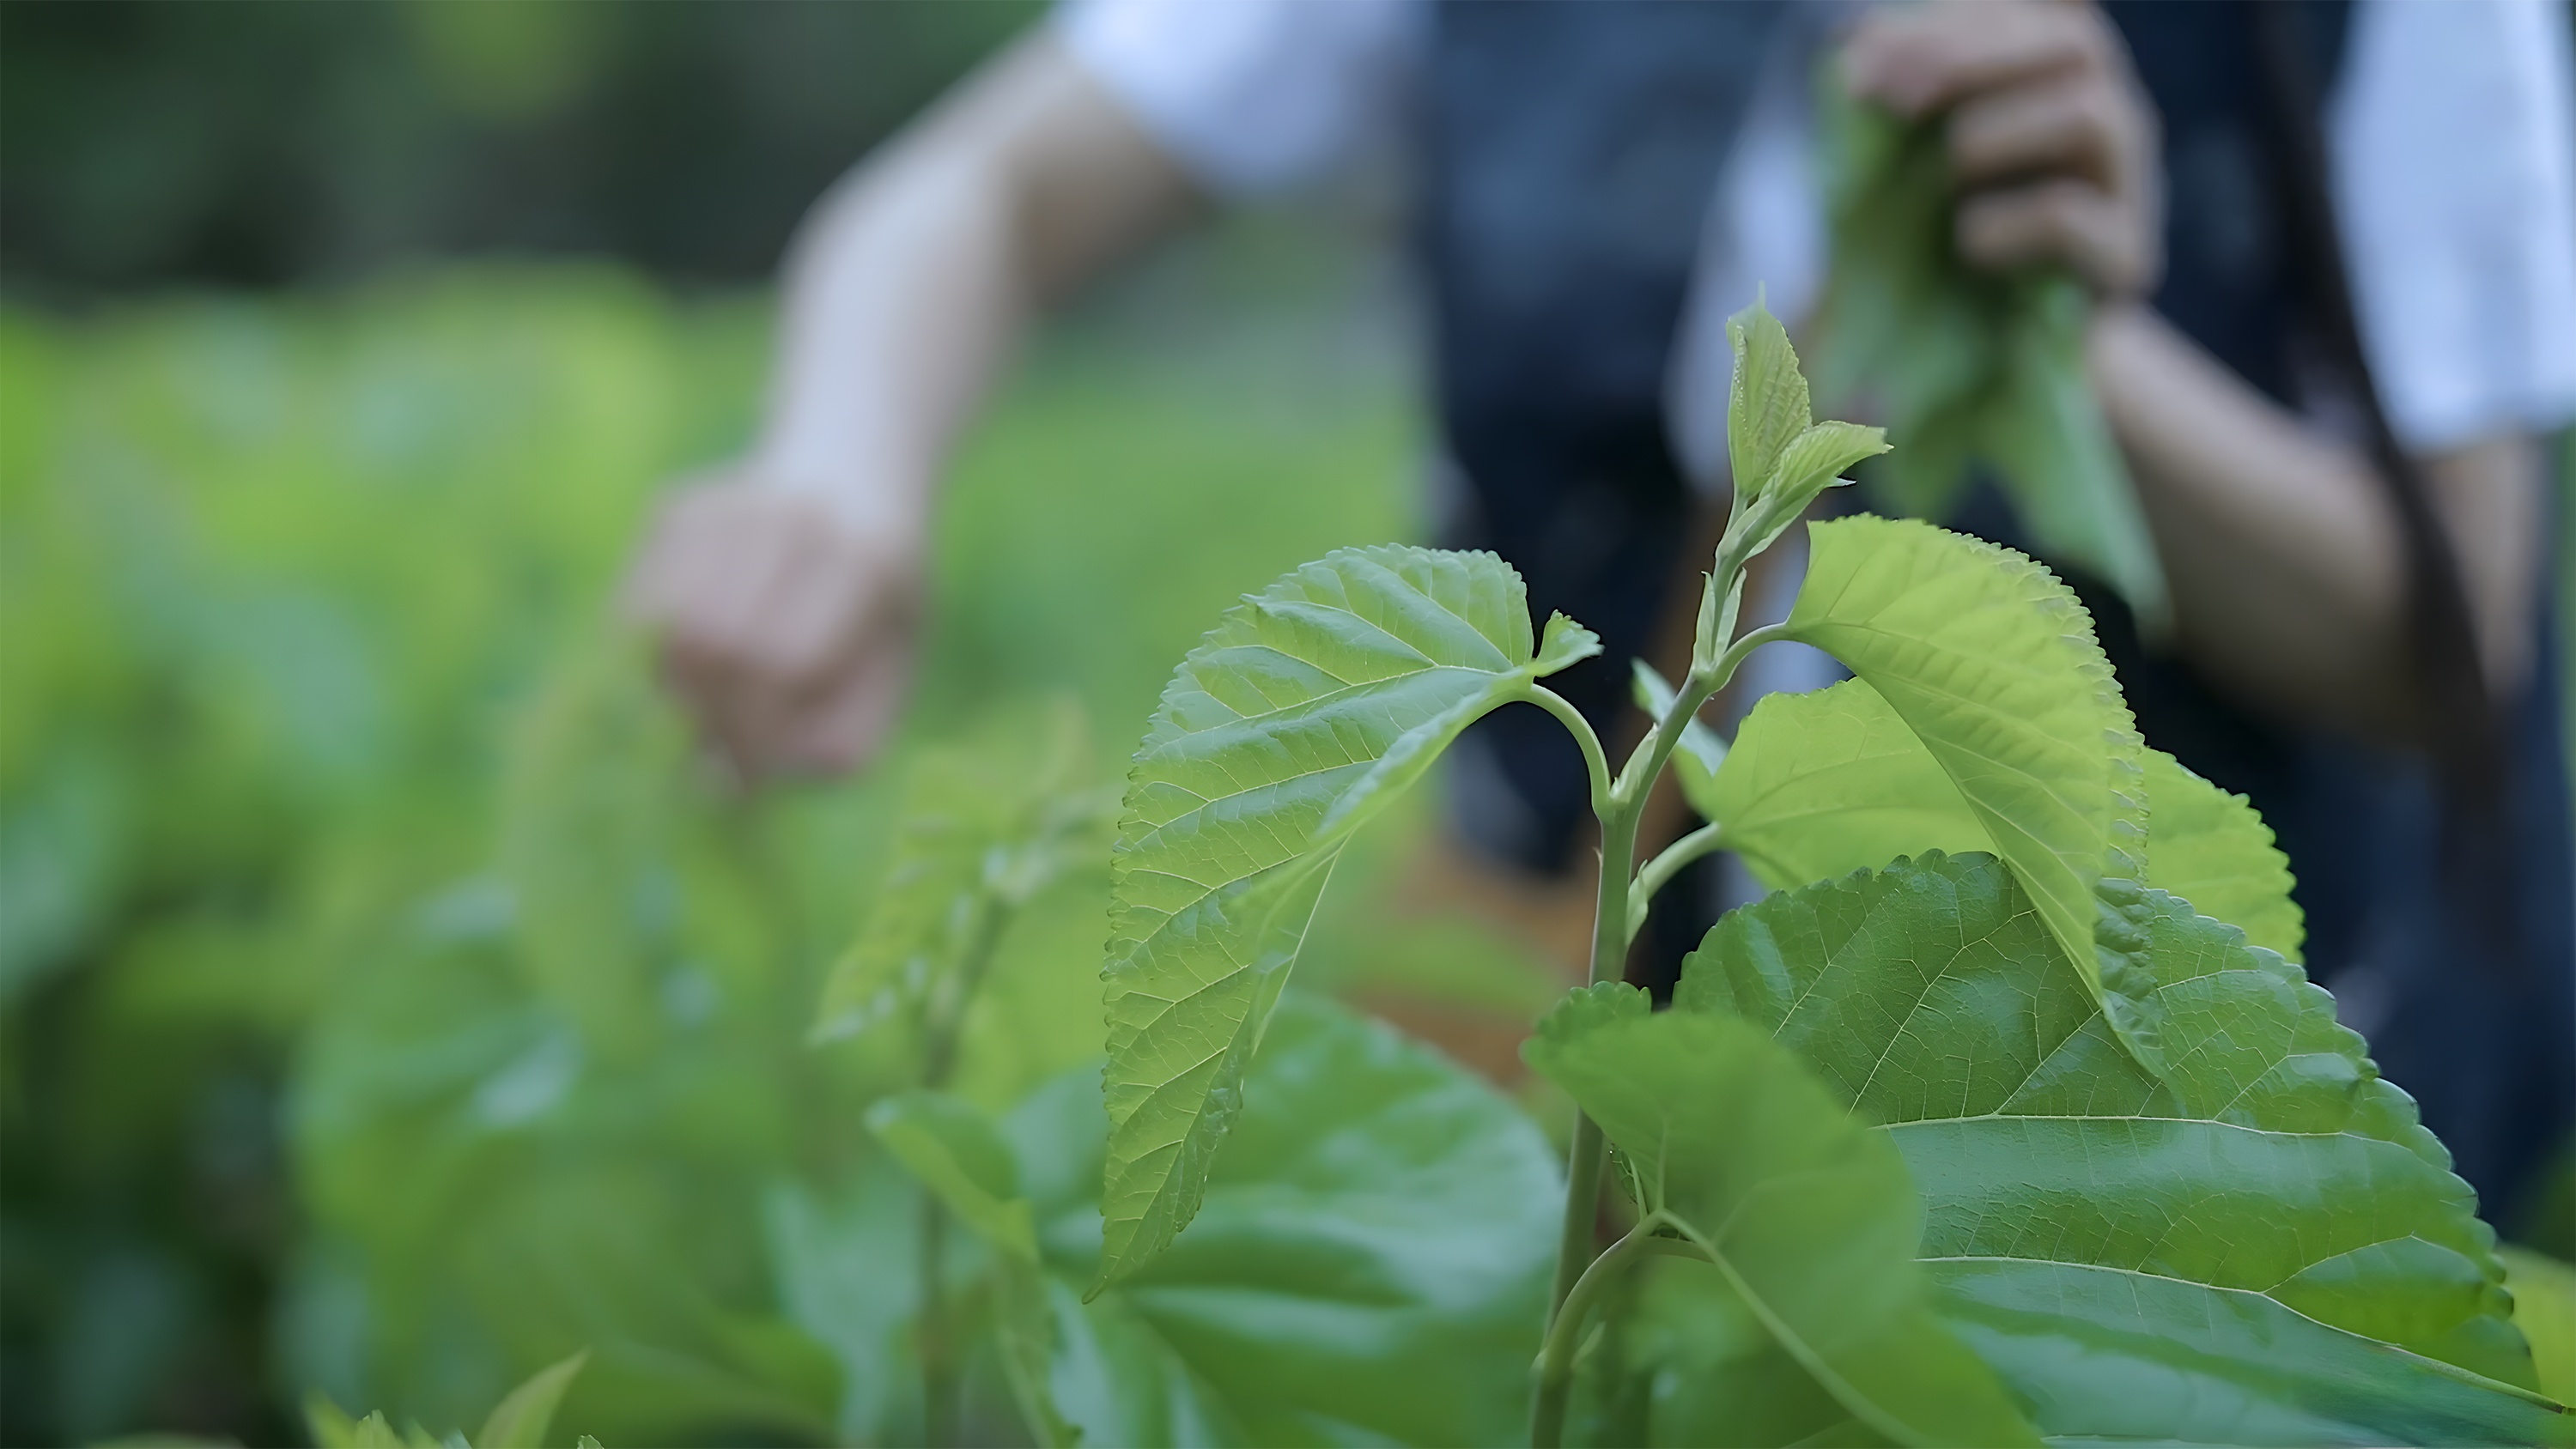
[1565,1335]
[1667,863]
[1596,764]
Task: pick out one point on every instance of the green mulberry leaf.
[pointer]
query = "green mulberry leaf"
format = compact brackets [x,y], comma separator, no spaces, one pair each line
[2212,849]
[2261,1245]
[1369,1265]
[1821,784]
[1309,707]
[1992,663]
[1805,1214]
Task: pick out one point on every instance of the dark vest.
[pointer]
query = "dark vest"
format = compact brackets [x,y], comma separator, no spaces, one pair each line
[1570,150]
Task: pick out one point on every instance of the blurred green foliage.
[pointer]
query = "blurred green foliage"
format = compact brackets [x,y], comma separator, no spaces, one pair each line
[383,987]
[269,141]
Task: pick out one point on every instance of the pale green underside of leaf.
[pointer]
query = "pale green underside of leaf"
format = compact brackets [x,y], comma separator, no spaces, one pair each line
[2113,1242]
[1992,663]
[1304,711]
[1369,1266]
[1805,1212]
[1825,783]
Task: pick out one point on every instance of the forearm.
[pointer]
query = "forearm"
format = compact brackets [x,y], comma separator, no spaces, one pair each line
[2286,564]
[2289,571]
[907,289]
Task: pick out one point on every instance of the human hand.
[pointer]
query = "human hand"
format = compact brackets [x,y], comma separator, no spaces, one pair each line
[786,629]
[2051,139]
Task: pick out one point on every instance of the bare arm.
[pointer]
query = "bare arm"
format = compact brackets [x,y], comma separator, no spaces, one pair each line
[2285,556]
[786,589]
[2288,568]
[908,285]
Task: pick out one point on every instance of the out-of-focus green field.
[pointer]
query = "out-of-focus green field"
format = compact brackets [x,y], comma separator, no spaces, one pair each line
[388,1003]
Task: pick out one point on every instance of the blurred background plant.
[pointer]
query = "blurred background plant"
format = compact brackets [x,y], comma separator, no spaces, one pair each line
[390,1005]
[269,143]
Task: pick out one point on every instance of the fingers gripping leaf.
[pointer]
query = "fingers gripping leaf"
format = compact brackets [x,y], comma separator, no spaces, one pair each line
[1297,717]
[1969,368]
[1822,784]
[1992,664]
[2260,1246]
[1805,1213]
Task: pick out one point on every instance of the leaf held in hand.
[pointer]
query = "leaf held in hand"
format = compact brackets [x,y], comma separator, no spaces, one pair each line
[1967,366]
[978,837]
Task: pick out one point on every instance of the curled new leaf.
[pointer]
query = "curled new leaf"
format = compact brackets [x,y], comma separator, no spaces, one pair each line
[1699,753]
[1766,400]
[1301,714]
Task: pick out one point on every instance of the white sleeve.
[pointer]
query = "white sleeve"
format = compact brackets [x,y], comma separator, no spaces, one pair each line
[2453,152]
[1251,96]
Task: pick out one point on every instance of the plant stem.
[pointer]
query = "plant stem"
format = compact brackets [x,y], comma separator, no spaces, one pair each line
[1619,805]
[931,1340]
[1556,1356]
[1574,1251]
[1660,871]
[947,1014]
[945,1022]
